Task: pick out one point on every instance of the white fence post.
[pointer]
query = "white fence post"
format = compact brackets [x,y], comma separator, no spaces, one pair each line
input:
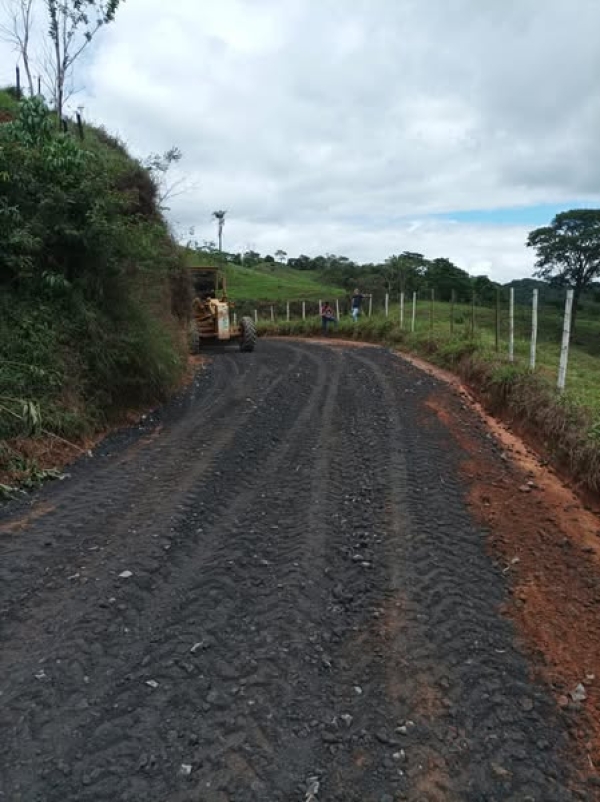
[414,312]
[256,315]
[272,315]
[401,310]
[303,310]
[370,304]
[387,304]
[564,350]
[337,309]
[534,329]
[235,318]
[511,326]
[287,311]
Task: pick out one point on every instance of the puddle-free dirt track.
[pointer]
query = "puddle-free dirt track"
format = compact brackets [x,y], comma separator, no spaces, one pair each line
[293,584]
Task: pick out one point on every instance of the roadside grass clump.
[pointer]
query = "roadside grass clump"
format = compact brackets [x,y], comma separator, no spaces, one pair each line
[568,430]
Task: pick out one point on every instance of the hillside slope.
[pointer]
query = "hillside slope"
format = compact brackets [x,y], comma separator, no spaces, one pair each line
[270,282]
[90,284]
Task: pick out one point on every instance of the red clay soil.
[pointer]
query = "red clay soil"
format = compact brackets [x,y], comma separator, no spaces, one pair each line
[549,542]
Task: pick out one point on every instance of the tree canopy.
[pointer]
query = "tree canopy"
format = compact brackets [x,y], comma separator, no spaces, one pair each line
[568,250]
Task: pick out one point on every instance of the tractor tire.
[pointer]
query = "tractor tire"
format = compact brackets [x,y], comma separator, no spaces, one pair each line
[194,340]
[247,335]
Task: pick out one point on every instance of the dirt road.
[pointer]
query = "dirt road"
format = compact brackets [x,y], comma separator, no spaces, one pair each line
[275,591]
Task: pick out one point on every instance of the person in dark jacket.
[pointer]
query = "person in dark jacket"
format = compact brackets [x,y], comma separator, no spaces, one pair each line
[356,303]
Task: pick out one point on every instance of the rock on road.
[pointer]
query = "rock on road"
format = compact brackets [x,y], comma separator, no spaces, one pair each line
[276,592]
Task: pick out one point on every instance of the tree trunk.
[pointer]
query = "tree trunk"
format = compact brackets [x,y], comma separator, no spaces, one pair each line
[25,49]
[28,74]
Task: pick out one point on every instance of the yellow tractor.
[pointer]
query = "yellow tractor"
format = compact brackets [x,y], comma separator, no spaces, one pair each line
[212,319]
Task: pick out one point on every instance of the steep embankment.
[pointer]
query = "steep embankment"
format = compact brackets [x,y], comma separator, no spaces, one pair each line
[90,287]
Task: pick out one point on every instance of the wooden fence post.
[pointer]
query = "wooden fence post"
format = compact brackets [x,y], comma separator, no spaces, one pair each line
[564,350]
[473,314]
[287,311]
[414,312]
[452,302]
[511,326]
[370,304]
[235,318]
[272,315]
[337,309]
[534,329]
[256,315]
[431,312]
[303,310]
[387,304]
[498,320]
[401,310]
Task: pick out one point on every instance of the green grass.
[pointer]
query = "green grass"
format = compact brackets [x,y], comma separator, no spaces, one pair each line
[277,283]
[8,106]
[269,283]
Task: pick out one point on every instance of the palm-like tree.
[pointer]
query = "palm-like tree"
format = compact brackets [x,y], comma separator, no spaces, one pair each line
[220,218]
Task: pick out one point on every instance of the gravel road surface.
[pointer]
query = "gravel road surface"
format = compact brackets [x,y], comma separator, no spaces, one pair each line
[271,590]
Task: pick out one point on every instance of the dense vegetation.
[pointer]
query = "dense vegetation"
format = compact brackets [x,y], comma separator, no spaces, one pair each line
[88,316]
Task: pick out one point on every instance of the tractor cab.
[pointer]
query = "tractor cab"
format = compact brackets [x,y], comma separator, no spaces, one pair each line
[211,312]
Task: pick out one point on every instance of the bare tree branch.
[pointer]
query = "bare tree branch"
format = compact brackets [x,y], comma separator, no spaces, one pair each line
[73,26]
[17,31]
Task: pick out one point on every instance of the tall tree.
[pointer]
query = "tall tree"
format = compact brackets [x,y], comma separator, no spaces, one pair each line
[73,26]
[443,276]
[408,267]
[220,218]
[16,28]
[568,251]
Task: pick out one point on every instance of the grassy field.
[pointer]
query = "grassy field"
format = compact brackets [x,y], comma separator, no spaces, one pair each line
[268,282]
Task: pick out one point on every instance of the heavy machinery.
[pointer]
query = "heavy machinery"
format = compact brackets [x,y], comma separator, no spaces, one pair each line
[212,318]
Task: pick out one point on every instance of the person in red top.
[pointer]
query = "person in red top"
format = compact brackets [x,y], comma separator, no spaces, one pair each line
[327,317]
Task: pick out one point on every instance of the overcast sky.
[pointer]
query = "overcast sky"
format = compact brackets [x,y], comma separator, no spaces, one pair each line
[362,127]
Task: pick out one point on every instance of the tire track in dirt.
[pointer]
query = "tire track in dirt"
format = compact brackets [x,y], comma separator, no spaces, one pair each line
[314,584]
[451,612]
[182,446]
[268,474]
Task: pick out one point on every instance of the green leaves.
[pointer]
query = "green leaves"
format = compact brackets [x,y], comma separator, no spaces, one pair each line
[569,248]
[568,251]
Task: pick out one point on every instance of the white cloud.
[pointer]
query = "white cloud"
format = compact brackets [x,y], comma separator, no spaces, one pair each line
[340,125]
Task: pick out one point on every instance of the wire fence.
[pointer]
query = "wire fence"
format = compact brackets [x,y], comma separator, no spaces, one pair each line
[536,332]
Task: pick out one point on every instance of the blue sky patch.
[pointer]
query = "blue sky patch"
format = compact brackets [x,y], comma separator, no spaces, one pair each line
[534,216]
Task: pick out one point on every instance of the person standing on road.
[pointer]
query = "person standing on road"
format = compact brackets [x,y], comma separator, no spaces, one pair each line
[356,303]
[327,317]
